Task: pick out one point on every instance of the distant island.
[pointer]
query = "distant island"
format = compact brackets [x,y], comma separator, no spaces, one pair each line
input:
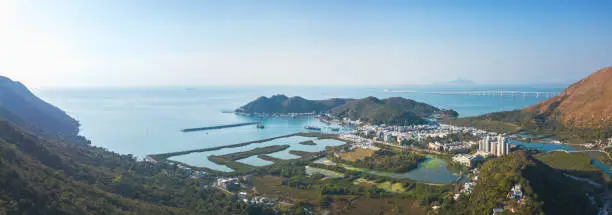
[459,82]
[392,111]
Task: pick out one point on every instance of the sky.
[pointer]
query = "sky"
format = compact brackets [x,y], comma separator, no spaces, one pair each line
[74,43]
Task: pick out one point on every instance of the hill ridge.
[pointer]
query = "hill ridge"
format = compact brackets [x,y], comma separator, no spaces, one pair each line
[393,110]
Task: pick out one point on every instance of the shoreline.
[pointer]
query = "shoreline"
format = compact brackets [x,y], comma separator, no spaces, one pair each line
[165,156]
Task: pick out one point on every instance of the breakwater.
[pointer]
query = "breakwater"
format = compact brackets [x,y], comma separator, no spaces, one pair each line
[218,127]
[164,156]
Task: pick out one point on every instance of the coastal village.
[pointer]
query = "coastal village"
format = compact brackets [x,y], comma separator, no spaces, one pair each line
[306,107]
[435,138]
[375,155]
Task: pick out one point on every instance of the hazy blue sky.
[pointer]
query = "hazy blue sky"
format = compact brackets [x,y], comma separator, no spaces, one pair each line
[315,42]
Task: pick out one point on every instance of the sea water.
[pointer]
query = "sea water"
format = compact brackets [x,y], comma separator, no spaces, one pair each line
[143,121]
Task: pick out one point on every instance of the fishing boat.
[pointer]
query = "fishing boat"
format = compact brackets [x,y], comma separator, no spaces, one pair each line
[314,128]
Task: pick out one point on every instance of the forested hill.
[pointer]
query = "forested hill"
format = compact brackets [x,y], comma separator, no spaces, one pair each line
[582,111]
[18,105]
[281,104]
[43,175]
[396,110]
[545,190]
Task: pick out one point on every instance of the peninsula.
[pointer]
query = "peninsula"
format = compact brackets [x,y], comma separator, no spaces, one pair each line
[391,111]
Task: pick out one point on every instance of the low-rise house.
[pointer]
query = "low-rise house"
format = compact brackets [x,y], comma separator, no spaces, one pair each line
[456,196]
[466,160]
[389,138]
[151,159]
[516,192]
[497,211]
[225,183]
[435,146]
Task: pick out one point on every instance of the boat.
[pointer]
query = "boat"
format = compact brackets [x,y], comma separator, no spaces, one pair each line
[260,126]
[312,128]
[335,129]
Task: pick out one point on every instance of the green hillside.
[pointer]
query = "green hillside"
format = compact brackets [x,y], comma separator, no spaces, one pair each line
[46,168]
[396,110]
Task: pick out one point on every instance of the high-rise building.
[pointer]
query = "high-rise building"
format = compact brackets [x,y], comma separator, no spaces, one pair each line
[487,147]
[498,147]
[485,144]
[506,147]
[501,146]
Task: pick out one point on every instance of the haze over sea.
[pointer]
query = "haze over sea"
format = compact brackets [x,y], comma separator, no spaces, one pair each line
[142,121]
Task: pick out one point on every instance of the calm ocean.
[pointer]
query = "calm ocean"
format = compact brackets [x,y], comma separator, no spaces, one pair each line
[143,121]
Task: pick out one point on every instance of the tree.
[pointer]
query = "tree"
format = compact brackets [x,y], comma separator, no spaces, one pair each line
[324,201]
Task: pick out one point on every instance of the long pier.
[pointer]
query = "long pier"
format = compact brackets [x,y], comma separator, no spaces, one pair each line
[218,127]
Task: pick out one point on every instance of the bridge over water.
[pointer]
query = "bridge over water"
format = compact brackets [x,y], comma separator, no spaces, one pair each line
[484,92]
[497,93]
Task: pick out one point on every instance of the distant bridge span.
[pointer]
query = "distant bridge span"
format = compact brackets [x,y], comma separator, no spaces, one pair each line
[483,92]
[496,92]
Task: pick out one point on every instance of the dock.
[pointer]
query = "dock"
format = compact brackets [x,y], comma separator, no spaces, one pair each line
[218,127]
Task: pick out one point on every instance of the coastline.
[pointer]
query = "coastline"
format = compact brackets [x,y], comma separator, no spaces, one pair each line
[165,156]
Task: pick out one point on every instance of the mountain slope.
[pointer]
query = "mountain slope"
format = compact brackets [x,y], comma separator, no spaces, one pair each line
[545,189]
[582,111]
[585,104]
[39,177]
[42,173]
[20,106]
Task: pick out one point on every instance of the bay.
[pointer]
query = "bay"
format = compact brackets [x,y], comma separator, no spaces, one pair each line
[148,120]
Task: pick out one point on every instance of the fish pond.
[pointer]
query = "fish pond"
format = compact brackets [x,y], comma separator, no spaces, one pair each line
[433,170]
[200,159]
[547,147]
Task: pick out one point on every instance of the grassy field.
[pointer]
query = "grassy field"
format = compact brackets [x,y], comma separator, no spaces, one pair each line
[577,164]
[567,161]
[601,157]
[326,172]
[387,185]
[272,186]
[364,182]
[387,206]
[358,154]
